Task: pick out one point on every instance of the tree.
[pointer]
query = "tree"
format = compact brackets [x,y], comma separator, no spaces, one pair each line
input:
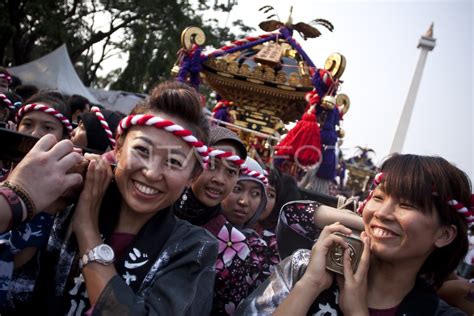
[148,31]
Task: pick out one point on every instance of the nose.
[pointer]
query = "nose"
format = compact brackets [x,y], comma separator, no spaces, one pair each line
[218,177]
[153,170]
[385,209]
[243,200]
[38,132]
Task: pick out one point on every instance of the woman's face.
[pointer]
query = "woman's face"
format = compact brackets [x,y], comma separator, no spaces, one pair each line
[153,168]
[215,183]
[400,231]
[271,198]
[38,124]
[242,203]
[79,136]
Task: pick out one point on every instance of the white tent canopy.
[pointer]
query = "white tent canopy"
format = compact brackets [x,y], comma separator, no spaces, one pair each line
[116,100]
[53,71]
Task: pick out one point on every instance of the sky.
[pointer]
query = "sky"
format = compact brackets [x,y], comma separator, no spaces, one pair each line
[379,40]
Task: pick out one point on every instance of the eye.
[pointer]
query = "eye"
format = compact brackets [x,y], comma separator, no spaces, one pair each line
[25,124]
[237,189]
[49,128]
[141,149]
[232,172]
[172,162]
[406,205]
[377,197]
[271,195]
[255,194]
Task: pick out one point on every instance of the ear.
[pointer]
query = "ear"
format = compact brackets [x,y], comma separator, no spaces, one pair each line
[445,235]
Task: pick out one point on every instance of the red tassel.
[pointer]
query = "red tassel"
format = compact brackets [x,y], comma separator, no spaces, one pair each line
[302,143]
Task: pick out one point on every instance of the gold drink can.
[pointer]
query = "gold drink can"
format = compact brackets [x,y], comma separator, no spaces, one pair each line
[335,256]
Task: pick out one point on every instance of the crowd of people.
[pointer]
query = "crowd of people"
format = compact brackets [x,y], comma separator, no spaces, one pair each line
[160,213]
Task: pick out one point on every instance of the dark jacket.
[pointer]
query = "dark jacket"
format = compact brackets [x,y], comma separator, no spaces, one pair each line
[180,281]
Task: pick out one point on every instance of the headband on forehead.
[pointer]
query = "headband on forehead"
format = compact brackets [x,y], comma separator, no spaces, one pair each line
[46,109]
[169,126]
[217,153]
[458,206]
[251,173]
[7,102]
[105,125]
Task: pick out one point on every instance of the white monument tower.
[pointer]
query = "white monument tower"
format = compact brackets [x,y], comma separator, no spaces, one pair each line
[427,43]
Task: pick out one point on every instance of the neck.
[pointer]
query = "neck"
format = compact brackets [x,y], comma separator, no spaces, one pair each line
[130,221]
[388,283]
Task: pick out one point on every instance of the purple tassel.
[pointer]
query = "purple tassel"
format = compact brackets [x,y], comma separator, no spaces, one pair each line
[191,65]
[327,169]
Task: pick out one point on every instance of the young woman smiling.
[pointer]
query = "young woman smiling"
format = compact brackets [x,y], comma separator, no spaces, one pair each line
[121,249]
[415,234]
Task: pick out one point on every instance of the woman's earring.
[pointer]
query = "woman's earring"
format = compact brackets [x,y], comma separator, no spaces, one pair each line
[184,198]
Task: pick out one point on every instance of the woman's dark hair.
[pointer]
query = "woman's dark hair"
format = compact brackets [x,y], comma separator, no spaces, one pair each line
[77,102]
[286,189]
[50,97]
[180,100]
[429,183]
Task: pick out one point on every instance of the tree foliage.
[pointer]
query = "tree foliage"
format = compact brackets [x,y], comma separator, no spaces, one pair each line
[146,31]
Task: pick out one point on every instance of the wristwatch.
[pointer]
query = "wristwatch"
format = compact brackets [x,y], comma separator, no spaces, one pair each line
[102,253]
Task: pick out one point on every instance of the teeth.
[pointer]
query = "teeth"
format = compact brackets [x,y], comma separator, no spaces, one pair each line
[213,191]
[380,232]
[145,189]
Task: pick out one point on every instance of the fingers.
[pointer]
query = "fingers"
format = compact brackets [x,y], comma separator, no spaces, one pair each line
[348,273]
[72,180]
[45,143]
[333,228]
[365,258]
[61,149]
[69,161]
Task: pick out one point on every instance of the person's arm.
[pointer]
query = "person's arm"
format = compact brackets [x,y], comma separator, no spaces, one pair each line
[86,224]
[316,278]
[42,176]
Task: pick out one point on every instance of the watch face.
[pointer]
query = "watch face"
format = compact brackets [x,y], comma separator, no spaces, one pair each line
[106,253]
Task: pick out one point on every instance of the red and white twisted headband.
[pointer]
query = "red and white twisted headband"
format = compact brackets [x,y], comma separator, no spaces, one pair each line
[7,77]
[377,180]
[217,153]
[105,125]
[251,173]
[7,102]
[169,126]
[461,209]
[46,109]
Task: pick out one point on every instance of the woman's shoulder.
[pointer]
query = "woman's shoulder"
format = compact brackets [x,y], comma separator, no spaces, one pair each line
[184,229]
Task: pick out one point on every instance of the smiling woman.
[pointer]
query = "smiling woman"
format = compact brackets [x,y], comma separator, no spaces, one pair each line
[130,247]
[415,235]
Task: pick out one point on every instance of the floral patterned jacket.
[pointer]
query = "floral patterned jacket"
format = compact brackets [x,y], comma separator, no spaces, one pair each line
[238,268]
